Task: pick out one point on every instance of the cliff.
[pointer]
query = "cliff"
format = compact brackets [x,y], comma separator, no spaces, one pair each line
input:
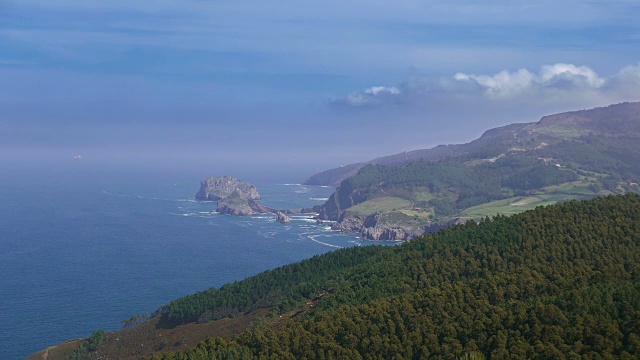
[380,226]
[217,188]
[343,198]
[238,203]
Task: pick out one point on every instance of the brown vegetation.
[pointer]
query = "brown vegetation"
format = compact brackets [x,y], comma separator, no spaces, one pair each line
[153,336]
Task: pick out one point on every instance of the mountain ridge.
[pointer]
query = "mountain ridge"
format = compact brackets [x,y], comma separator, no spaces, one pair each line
[333,177]
[572,155]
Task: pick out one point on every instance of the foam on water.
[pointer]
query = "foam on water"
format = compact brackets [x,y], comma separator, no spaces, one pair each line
[314,238]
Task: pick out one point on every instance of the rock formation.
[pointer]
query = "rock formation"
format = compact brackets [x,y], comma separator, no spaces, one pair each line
[235,197]
[220,187]
[369,227]
[282,218]
[238,203]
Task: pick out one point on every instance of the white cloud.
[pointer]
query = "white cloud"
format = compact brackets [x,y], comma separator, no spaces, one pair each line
[553,85]
[579,75]
[502,84]
[565,77]
[372,95]
[376,90]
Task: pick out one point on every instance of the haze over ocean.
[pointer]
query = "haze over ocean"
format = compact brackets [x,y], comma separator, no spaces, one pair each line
[82,249]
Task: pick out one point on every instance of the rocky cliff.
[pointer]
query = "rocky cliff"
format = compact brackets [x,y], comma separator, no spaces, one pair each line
[217,188]
[374,227]
[238,203]
[343,198]
[239,198]
[282,218]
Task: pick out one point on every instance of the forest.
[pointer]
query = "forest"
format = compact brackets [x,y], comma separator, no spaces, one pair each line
[560,281]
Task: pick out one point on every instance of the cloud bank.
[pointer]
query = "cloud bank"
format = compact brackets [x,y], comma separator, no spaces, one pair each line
[559,83]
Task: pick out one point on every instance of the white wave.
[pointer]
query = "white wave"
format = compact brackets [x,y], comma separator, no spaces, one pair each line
[291,184]
[262,217]
[304,220]
[190,200]
[313,238]
[311,214]
[200,214]
[319,199]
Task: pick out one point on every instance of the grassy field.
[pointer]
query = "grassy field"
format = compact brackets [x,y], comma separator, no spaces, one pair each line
[423,196]
[385,203]
[419,213]
[514,205]
[572,188]
[400,218]
[577,190]
[400,210]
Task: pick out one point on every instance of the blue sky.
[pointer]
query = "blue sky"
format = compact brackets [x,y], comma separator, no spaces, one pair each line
[297,84]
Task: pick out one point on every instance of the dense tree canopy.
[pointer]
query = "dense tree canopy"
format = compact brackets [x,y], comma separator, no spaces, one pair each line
[556,282]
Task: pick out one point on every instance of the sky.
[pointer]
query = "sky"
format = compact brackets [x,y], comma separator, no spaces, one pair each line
[299,86]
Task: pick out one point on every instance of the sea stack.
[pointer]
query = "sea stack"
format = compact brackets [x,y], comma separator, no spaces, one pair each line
[282,218]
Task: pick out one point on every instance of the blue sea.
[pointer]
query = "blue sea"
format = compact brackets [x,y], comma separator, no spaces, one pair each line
[83,248]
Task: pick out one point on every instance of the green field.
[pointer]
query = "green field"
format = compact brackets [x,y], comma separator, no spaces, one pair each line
[571,188]
[418,213]
[423,196]
[511,206]
[384,204]
[514,205]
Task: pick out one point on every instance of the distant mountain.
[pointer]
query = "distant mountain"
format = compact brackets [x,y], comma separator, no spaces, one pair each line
[573,155]
[556,282]
[615,120]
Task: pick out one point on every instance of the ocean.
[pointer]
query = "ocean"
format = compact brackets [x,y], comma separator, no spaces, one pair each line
[83,248]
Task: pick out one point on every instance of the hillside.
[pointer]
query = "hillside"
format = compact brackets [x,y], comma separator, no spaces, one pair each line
[561,281]
[576,155]
[615,120]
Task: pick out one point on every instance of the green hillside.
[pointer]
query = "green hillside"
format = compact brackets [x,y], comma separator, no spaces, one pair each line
[555,282]
[560,281]
[570,156]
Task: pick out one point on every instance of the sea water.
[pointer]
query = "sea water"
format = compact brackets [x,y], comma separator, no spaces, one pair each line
[81,250]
